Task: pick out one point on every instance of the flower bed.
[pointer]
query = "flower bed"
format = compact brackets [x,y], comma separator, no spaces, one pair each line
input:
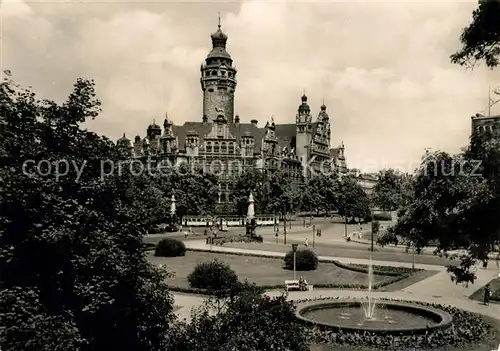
[468,331]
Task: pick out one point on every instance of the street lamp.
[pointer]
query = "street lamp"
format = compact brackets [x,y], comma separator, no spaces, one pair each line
[294,249]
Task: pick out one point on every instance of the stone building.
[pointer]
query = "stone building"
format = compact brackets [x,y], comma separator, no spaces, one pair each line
[225,145]
[481,123]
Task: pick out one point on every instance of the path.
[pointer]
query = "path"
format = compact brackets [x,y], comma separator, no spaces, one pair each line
[202,246]
[435,289]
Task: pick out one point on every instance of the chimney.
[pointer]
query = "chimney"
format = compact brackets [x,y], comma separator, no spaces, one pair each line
[254,122]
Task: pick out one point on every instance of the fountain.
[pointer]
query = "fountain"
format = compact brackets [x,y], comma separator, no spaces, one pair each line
[360,314]
[369,303]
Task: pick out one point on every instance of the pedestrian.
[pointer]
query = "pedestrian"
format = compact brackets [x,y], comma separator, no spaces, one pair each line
[498,260]
[306,242]
[487,293]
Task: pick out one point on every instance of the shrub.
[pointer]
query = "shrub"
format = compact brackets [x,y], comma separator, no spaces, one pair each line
[170,248]
[305,260]
[213,275]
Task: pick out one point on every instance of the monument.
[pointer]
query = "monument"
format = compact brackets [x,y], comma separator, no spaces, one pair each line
[251,224]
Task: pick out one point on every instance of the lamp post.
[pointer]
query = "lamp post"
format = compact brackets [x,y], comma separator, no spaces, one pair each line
[371,245]
[284,225]
[314,232]
[294,249]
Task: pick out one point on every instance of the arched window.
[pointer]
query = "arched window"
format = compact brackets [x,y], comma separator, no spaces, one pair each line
[214,73]
[216,147]
[231,148]
[209,146]
[223,148]
[481,129]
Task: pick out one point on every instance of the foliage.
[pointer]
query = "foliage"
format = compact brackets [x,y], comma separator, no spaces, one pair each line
[305,260]
[481,39]
[455,204]
[273,193]
[388,237]
[195,191]
[251,181]
[214,275]
[282,195]
[249,321]
[74,274]
[469,331]
[319,193]
[387,193]
[170,248]
[375,227]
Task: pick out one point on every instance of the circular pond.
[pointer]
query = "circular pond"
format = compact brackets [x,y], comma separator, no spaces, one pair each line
[388,317]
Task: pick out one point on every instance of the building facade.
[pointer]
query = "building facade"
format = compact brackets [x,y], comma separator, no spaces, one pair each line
[226,146]
[482,124]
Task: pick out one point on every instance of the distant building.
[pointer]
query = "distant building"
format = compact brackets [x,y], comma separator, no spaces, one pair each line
[224,144]
[367,181]
[482,124]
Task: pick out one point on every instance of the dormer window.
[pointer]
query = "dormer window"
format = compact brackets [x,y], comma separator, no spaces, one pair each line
[220,131]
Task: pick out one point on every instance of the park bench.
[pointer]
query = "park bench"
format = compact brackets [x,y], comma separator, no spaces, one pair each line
[294,284]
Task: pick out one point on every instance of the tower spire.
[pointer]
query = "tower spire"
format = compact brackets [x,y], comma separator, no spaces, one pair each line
[219,21]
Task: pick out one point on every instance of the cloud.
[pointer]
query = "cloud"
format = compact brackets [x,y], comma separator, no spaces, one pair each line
[382,68]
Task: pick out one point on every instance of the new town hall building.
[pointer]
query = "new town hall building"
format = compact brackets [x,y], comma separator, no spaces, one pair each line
[221,140]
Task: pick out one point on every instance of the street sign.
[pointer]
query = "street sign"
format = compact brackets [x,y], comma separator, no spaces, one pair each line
[294,247]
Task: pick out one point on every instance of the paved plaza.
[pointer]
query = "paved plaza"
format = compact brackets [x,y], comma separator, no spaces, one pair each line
[435,289]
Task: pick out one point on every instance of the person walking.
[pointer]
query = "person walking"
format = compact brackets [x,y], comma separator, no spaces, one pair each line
[306,242]
[487,293]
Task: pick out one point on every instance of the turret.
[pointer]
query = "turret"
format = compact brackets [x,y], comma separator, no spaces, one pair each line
[218,80]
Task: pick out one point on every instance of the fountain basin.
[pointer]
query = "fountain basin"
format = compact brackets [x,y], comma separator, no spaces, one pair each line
[391,317]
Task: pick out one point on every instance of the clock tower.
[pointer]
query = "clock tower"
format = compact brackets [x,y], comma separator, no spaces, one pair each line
[218,80]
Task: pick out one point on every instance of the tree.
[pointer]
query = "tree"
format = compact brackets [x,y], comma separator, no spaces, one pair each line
[73,271]
[481,39]
[248,322]
[251,181]
[451,206]
[351,200]
[387,193]
[195,191]
[319,193]
[282,195]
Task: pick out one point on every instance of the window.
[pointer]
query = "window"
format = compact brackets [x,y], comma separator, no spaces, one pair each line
[223,148]
[216,147]
[209,147]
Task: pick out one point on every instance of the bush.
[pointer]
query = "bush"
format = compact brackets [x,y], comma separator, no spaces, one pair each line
[170,248]
[305,260]
[214,275]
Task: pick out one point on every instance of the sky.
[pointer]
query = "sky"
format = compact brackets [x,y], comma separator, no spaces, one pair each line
[381,67]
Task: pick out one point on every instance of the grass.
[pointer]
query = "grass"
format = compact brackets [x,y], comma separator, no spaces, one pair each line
[260,270]
[359,251]
[478,295]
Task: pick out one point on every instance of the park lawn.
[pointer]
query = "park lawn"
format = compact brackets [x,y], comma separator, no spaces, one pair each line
[260,270]
[478,295]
